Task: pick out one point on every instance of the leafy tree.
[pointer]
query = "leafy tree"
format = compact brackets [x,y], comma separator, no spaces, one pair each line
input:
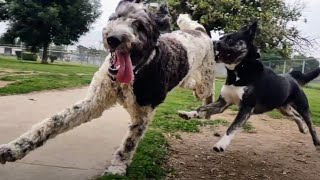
[8,37]
[274,18]
[40,23]
[3,11]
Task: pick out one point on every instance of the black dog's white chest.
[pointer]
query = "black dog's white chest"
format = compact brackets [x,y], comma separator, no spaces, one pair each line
[233,94]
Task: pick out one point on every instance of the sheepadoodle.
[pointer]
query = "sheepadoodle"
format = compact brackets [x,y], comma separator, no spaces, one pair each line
[255,88]
[142,68]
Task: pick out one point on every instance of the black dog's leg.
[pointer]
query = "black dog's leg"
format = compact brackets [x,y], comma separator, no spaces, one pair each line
[240,120]
[207,110]
[294,115]
[313,132]
[302,107]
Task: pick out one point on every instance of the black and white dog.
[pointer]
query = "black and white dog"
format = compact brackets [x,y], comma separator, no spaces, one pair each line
[255,88]
[143,68]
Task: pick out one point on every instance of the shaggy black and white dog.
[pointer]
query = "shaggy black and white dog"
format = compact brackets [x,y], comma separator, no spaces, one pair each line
[143,67]
[255,88]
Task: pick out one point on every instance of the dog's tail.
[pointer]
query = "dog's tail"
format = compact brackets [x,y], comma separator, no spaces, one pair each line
[305,78]
[186,23]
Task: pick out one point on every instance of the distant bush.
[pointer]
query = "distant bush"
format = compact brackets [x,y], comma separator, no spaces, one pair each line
[53,58]
[28,56]
[18,54]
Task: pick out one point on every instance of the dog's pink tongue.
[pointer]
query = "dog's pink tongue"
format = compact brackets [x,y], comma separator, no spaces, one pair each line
[125,72]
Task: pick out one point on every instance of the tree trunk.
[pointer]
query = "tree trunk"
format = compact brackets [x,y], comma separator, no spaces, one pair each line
[45,54]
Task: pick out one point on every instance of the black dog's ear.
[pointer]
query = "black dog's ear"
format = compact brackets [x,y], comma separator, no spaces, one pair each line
[251,30]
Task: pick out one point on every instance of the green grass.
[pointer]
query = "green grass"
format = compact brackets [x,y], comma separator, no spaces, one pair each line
[167,119]
[33,76]
[313,86]
[314,102]
[275,114]
[248,128]
[149,160]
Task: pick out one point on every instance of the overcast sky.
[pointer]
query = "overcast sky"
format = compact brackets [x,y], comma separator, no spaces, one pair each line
[94,37]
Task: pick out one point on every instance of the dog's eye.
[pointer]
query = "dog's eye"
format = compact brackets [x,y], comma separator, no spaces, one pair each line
[230,41]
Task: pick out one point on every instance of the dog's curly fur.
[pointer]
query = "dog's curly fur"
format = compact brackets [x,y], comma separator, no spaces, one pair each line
[161,62]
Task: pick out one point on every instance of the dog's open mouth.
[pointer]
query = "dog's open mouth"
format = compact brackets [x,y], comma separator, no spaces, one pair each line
[121,67]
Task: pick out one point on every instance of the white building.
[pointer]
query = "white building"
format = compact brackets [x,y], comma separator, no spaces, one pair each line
[9,50]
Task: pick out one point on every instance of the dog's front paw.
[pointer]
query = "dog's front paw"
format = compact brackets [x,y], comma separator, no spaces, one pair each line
[304,130]
[116,170]
[219,147]
[6,154]
[188,115]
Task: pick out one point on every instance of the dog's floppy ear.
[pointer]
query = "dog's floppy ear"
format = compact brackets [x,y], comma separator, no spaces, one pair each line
[162,18]
[251,30]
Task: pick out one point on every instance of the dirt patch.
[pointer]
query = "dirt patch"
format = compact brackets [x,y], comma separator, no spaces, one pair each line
[5,83]
[12,72]
[83,74]
[276,151]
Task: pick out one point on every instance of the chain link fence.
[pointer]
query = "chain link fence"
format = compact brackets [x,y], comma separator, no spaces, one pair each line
[284,66]
[281,66]
[95,59]
[75,57]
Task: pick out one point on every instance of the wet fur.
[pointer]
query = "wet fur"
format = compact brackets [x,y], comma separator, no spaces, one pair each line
[161,63]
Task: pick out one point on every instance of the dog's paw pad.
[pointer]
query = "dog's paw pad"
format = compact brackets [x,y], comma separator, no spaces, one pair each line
[305,130]
[183,115]
[116,170]
[218,149]
[188,115]
[221,146]
[6,154]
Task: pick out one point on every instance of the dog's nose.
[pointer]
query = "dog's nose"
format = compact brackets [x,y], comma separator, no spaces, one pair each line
[113,41]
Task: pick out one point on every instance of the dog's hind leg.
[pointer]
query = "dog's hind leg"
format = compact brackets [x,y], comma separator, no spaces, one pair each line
[294,115]
[301,105]
[306,117]
[207,110]
[141,116]
[242,117]
[90,108]
[208,81]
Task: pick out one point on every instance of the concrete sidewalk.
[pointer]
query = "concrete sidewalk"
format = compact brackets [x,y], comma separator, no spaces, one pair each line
[79,154]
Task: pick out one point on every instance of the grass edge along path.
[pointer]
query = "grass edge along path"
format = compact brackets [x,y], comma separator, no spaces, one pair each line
[26,77]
